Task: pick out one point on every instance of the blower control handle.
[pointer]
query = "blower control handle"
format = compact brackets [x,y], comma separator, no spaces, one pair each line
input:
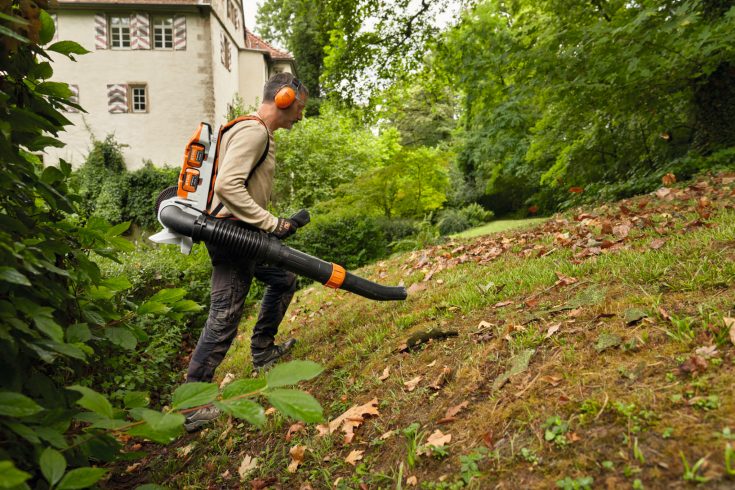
[302,218]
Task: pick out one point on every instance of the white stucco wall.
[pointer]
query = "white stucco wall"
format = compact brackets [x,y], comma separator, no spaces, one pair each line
[253,75]
[180,90]
[225,81]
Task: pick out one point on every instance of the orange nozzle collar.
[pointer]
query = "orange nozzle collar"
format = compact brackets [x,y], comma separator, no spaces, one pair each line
[337,277]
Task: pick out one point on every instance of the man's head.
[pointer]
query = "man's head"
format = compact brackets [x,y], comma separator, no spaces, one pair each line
[285,97]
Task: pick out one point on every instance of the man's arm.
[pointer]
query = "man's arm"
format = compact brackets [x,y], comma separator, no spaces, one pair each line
[245,146]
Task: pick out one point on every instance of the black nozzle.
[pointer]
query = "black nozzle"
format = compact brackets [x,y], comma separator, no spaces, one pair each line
[266,248]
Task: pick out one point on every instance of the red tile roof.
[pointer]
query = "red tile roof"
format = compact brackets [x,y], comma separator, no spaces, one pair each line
[254,42]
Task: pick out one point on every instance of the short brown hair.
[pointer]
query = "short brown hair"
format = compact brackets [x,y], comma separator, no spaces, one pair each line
[280,80]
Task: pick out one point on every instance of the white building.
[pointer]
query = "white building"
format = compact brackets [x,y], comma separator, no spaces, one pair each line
[156,69]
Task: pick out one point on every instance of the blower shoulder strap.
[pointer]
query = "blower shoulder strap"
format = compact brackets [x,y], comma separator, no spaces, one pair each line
[224,128]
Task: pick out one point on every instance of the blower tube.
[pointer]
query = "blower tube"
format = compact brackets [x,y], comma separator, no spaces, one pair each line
[265,248]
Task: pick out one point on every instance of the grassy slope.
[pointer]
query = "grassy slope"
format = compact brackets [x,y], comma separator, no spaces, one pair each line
[627,413]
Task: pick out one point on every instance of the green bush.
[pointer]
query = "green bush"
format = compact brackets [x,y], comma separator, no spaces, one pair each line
[143,186]
[350,241]
[112,193]
[456,220]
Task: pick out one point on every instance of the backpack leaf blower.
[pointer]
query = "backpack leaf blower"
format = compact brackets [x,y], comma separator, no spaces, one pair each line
[182,210]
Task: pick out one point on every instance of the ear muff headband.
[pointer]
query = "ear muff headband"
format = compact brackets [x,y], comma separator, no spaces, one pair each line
[287,94]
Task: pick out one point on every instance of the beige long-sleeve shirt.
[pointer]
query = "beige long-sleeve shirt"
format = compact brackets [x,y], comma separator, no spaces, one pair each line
[240,149]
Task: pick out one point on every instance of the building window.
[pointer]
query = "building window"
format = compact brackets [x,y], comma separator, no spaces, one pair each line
[226,56]
[138,98]
[120,31]
[163,32]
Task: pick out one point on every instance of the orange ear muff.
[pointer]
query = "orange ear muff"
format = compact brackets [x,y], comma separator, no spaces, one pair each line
[285,97]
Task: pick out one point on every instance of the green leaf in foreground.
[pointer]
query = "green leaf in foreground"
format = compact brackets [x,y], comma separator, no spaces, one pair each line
[81,478]
[296,404]
[194,394]
[159,427]
[242,387]
[93,401]
[168,296]
[292,372]
[17,405]
[53,465]
[67,48]
[243,409]
[10,476]
[11,275]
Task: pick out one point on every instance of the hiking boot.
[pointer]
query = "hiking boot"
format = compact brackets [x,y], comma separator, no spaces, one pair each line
[265,358]
[199,418]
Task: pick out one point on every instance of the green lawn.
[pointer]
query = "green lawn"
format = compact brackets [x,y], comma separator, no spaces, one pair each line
[499,225]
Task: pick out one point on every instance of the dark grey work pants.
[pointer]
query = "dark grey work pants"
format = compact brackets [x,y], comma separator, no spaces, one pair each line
[231,279]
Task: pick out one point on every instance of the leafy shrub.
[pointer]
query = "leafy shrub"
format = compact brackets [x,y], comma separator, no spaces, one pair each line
[456,220]
[162,340]
[143,186]
[396,229]
[350,241]
[453,221]
[112,193]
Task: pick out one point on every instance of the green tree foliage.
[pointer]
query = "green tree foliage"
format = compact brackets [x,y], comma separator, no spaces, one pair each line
[410,183]
[560,94]
[318,155]
[302,27]
[351,47]
[422,109]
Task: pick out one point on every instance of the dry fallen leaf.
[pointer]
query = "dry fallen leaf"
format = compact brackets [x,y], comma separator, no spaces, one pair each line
[350,420]
[441,379]
[432,363]
[297,427]
[668,179]
[229,378]
[354,457]
[386,373]
[502,303]
[657,243]
[388,435]
[297,457]
[621,231]
[694,365]
[184,451]
[552,380]
[412,481]
[247,465]
[260,484]
[552,330]
[412,383]
[270,411]
[707,351]
[730,323]
[436,439]
[452,412]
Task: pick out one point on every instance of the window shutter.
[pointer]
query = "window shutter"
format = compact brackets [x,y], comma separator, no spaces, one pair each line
[117,98]
[140,33]
[100,31]
[179,32]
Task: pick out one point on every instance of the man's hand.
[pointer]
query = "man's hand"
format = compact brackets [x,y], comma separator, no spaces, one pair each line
[285,228]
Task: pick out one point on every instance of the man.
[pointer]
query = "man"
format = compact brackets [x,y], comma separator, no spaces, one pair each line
[241,191]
